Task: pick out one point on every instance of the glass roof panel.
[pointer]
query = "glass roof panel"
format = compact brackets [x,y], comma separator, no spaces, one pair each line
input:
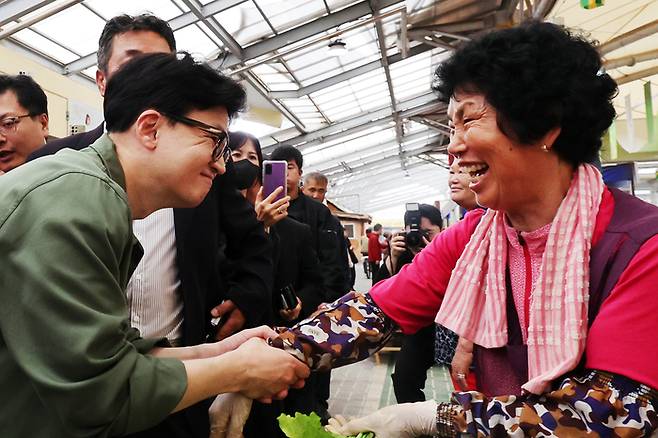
[291,13]
[335,5]
[164,9]
[90,72]
[87,26]
[191,39]
[45,46]
[206,30]
[244,23]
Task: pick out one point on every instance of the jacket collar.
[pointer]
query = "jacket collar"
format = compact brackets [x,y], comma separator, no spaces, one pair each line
[106,151]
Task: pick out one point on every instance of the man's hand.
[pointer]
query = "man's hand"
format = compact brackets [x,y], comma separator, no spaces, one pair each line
[398,247]
[234,341]
[232,319]
[268,211]
[228,414]
[267,372]
[406,420]
[292,314]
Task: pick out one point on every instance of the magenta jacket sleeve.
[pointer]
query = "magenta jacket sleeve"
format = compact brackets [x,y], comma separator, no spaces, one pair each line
[413,296]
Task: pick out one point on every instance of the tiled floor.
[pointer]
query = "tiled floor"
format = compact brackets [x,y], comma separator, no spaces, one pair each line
[364,387]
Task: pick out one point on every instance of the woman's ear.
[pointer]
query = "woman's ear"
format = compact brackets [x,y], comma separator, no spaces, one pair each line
[549,138]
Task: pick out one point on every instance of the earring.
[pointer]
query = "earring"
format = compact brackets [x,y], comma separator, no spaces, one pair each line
[545,148]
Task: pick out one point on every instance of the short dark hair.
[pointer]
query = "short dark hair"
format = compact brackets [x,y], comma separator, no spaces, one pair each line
[28,93]
[377,227]
[127,23]
[172,84]
[432,214]
[537,76]
[287,153]
[237,139]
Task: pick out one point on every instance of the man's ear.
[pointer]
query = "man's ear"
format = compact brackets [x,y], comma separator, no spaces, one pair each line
[43,121]
[146,128]
[101,82]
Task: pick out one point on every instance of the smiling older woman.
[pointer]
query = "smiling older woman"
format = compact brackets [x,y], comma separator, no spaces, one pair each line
[554,284]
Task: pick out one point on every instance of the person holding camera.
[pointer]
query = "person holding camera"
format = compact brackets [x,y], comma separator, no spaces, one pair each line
[297,287]
[422,224]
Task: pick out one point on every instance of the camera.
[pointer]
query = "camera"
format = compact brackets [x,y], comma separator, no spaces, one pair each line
[414,235]
[268,169]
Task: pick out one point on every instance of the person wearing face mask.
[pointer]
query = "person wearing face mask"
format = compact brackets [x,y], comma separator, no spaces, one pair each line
[297,276]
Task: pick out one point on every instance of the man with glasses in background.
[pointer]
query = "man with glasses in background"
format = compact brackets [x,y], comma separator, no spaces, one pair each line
[23,120]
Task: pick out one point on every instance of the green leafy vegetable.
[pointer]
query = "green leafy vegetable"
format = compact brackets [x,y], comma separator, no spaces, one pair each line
[309,426]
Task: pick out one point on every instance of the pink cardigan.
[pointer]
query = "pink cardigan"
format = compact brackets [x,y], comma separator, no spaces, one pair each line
[622,338]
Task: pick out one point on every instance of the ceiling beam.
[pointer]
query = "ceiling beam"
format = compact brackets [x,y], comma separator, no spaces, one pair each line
[14,10]
[413,106]
[622,40]
[347,75]
[637,75]
[381,40]
[226,38]
[389,145]
[177,23]
[630,60]
[47,12]
[305,31]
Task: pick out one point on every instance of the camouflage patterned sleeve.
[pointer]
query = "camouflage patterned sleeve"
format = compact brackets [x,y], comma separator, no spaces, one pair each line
[345,331]
[597,404]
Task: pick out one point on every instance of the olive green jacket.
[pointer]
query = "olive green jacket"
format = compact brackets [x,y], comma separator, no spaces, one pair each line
[70,364]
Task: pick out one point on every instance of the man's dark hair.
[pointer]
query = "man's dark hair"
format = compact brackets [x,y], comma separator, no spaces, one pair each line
[127,23]
[377,227]
[28,93]
[432,214]
[287,153]
[173,84]
[537,76]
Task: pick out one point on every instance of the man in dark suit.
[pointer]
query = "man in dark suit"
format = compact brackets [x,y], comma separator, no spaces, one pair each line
[177,288]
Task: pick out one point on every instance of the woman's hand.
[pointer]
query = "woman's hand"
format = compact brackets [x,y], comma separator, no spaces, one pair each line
[266,372]
[406,420]
[269,211]
[292,314]
[461,363]
[228,414]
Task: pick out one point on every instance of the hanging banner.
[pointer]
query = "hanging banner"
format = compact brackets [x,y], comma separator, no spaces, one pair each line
[591,4]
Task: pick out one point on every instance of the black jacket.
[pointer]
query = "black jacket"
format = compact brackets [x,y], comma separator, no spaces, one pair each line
[326,238]
[223,216]
[295,264]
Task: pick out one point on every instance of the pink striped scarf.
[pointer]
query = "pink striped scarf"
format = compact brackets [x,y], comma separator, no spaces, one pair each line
[474,303]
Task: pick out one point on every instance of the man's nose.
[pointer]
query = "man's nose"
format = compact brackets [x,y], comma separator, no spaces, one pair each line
[219,166]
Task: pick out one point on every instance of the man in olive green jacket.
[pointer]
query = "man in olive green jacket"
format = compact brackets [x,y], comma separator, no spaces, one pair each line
[70,364]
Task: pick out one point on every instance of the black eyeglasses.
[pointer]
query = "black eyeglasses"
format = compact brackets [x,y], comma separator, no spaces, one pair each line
[221,149]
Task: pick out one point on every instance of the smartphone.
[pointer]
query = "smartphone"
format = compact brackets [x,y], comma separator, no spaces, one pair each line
[274,175]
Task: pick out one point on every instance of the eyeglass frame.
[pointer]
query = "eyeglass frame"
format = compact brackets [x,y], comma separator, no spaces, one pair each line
[219,150]
[14,126]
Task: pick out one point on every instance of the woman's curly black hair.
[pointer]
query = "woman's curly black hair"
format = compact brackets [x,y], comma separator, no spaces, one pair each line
[537,76]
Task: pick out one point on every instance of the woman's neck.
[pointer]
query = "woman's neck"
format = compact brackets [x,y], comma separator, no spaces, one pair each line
[540,209]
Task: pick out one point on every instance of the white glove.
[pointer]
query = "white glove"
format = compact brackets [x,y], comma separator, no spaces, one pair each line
[228,413]
[406,420]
